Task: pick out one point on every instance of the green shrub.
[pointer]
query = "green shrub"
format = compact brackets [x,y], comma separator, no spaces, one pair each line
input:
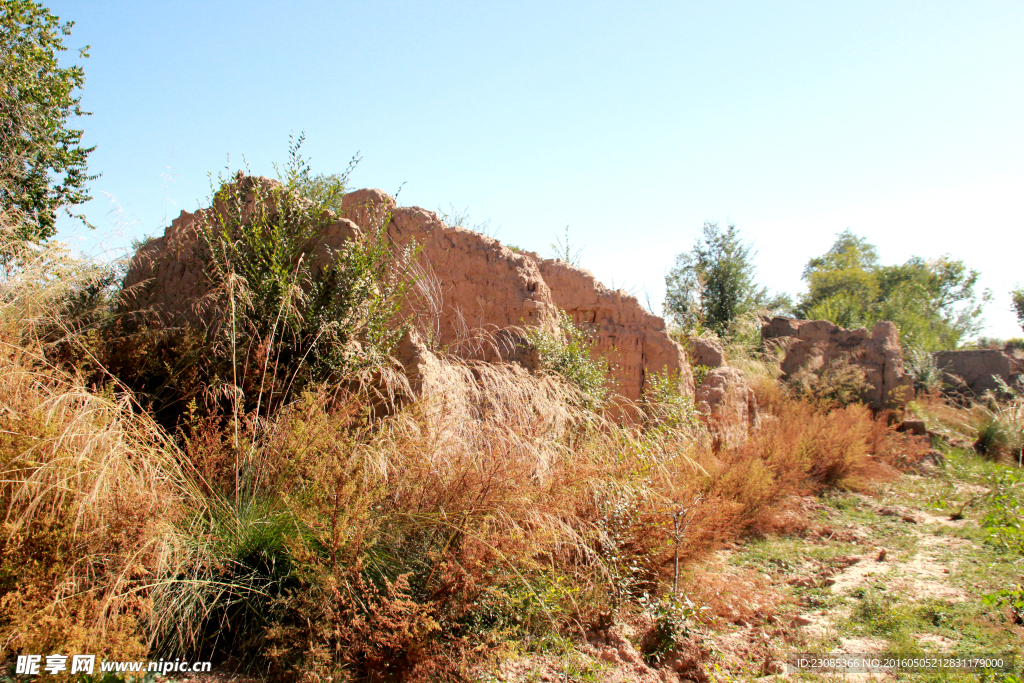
[667,406]
[569,356]
[1003,522]
[1000,426]
[675,620]
[321,323]
[921,367]
[1012,598]
[700,373]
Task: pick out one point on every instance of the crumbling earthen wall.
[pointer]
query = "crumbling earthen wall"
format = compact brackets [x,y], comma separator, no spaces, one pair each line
[475,294]
[974,371]
[724,398]
[815,344]
[633,340]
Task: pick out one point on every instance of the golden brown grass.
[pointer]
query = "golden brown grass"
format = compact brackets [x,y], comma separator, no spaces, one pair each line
[329,540]
[88,487]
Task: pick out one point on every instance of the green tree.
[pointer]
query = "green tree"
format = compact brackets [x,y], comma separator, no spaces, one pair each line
[934,303]
[841,281]
[713,284]
[42,162]
[1018,304]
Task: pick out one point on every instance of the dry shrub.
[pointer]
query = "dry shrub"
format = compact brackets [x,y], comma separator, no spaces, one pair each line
[769,392]
[340,619]
[330,539]
[840,383]
[504,514]
[733,594]
[802,449]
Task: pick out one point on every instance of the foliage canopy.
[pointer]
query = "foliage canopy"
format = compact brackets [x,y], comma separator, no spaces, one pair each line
[42,162]
[934,303]
[1018,305]
[713,284]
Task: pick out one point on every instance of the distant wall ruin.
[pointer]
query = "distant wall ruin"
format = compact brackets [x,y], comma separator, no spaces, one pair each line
[815,344]
[975,371]
[477,293]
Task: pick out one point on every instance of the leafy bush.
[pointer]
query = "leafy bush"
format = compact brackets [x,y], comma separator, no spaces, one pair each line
[675,620]
[700,373]
[667,406]
[921,367]
[999,427]
[1004,518]
[712,285]
[569,356]
[1012,598]
[284,313]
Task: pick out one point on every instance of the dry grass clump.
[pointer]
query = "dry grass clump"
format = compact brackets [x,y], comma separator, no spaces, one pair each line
[802,449]
[89,489]
[992,425]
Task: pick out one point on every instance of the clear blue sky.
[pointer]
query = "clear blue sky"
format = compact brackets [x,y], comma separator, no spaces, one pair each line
[632,122]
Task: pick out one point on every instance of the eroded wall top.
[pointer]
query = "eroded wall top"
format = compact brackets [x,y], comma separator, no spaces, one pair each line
[474,294]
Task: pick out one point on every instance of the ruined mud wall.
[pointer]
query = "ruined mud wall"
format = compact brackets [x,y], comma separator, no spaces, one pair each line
[473,294]
[724,398]
[473,291]
[975,371]
[815,344]
[633,340]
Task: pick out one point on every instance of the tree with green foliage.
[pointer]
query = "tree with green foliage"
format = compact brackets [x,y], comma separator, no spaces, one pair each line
[712,285]
[1018,304]
[934,303]
[42,161]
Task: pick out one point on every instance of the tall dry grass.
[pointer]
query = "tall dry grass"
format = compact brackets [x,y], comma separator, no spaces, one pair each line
[90,489]
[329,540]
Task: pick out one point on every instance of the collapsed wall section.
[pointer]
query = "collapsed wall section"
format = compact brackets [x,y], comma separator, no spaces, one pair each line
[814,345]
[633,340]
[975,371]
[473,293]
[474,296]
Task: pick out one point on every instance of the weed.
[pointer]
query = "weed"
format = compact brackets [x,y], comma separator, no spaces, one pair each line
[1013,598]
[921,366]
[700,372]
[1004,517]
[564,250]
[667,407]
[840,383]
[676,619]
